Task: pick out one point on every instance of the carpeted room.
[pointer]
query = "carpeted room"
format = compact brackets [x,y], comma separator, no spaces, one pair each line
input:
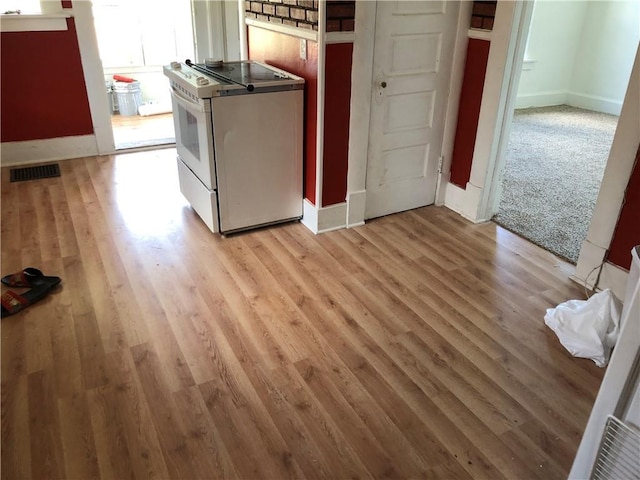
[573,81]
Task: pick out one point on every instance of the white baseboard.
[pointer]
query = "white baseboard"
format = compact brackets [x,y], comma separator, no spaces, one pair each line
[441,188]
[326,219]
[542,99]
[588,102]
[356,202]
[36,151]
[612,276]
[465,202]
[597,104]
[309,216]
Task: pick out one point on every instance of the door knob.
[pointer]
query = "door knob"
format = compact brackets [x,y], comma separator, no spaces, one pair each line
[383,84]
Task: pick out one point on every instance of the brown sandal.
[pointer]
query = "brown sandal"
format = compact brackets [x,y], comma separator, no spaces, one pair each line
[30,277]
[13,303]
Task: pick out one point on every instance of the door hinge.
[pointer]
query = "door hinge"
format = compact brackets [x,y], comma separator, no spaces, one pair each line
[440,162]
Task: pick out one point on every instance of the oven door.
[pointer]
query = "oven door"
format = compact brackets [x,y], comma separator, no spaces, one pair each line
[194,136]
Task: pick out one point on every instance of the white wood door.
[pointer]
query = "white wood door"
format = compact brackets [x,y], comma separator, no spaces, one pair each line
[411,73]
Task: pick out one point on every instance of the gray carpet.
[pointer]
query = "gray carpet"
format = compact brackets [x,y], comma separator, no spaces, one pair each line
[555,161]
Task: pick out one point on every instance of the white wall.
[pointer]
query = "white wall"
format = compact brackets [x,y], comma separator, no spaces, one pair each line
[607,49]
[554,38]
[612,193]
[580,54]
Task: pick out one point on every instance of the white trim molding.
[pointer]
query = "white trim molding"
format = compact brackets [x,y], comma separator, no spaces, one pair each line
[55,22]
[321,220]
[611,276]
[612,193]
[479,34]
[309,216]
[360,108]
[453,102]
[477,203]
[356,203]
[464,201]
[322,59]
[541,99]
[592,102]
[36,151]
[339,37]
[94,77]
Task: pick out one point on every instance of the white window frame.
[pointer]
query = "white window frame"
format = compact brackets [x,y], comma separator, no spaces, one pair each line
[52,17]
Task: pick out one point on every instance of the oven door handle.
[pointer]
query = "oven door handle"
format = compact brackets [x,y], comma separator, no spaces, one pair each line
[186,102]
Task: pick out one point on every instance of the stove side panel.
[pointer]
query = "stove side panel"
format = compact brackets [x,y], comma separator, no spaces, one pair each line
[283,51]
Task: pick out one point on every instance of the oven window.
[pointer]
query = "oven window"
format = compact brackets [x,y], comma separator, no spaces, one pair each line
[189,132]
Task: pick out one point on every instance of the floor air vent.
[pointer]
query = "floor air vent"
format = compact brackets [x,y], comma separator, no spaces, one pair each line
[35,173]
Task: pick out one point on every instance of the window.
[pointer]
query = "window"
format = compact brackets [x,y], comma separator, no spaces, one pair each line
[142,33]
[25,7]
[35,16]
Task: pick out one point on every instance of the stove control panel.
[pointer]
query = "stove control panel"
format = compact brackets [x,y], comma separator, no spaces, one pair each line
[186,79]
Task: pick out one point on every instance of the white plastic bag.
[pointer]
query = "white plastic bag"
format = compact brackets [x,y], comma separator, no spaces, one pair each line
[587,328]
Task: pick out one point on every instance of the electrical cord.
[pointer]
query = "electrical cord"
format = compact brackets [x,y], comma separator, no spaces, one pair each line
[595,285]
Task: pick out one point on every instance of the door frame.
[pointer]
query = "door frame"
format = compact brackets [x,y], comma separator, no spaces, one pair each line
[94,77]
[224,16]
[362,84]
[518,44]
[474,202]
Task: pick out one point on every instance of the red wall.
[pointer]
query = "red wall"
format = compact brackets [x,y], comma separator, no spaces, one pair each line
[283,51]
[336,122]
[627,233]
[43,89]
[469,111]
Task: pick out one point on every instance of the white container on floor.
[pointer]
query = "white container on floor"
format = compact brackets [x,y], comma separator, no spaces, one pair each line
[129,97]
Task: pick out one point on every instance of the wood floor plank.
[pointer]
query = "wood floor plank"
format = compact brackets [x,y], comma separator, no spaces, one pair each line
[16,438]
[488,401]
[112,451]
[209,454]
[10,260]
[124,307]
[361,425]
[524,329]
[30,249]
[407,277]
[163,413]
[46,222]
[409,347]
[257,451]
[519,441]
[47,458]
[39,354]
[61,213]
[66,358]
[507,462]
[309,435]
[141,273]
[78,439]
[145,451]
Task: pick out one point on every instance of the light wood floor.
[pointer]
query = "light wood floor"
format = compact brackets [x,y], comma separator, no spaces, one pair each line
[138,131]
[413,346]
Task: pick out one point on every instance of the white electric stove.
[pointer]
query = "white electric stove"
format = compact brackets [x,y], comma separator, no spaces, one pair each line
[239,134]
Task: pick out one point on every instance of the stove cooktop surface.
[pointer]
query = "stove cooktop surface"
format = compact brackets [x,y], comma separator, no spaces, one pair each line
[244,72]
[230,78]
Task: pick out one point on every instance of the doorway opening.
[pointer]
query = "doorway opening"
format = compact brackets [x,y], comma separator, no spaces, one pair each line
[135,39]
[575,72]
